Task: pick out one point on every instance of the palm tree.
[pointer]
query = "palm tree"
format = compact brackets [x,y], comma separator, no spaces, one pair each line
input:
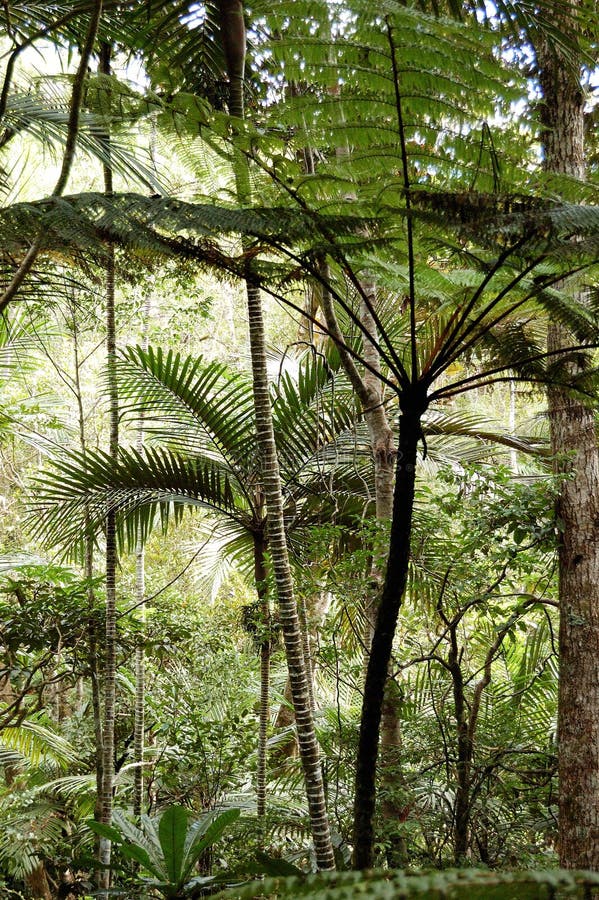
[199,421]
[234,44]
[436,335]
[111,553]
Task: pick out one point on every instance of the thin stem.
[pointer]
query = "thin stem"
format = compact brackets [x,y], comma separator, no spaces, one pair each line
[408,196]
[452,343]
[28,261]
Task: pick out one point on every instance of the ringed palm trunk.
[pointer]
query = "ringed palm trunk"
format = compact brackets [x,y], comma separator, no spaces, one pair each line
[88,568]
[573,435]
[140,686]
[140,593]
[234,41]
[260,576]
[111,543]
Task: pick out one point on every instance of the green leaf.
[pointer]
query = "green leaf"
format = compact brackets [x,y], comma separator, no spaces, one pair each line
[106,831]
[172,831]
[210,836]
[138,854]
[272,865]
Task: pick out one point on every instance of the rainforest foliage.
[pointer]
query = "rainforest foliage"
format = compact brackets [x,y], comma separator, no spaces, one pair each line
[293,296]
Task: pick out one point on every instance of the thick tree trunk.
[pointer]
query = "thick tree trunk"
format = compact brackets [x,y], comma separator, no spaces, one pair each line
[233,32]
[382,640]
[573,430]
[573,433]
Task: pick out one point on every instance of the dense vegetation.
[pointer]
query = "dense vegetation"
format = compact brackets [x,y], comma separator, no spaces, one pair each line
[298,455]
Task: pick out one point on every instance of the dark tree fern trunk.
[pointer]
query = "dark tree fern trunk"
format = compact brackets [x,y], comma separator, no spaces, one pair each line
[573,434]
[382,639]
[233,32]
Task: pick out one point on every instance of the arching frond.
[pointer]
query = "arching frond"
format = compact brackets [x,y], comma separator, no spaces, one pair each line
[138,486]
[189,404]
[32,743]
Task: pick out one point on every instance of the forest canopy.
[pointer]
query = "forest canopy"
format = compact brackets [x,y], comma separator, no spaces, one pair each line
[299,554]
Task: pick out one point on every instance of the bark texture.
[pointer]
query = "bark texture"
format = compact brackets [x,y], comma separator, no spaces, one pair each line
[140,685]
[573,432]
[384,632]
[260,576]
[110,663]
[382,442]
[294,649]
[234,41]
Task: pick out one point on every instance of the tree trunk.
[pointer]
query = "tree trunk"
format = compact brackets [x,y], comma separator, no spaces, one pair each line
[573,429]
[382,442]
[260,576]
[111,542]
[312,619]
[37,883]
[88,568]
[461,823]
[308,745]
[140,594]
[140,685]
[573,433]
[233,32]
[382,640]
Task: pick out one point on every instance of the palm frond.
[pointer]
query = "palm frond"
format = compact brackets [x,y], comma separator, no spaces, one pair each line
[138,486]
[189,404]
[33,743]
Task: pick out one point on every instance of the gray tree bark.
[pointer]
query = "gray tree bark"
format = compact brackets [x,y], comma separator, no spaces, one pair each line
[574,442]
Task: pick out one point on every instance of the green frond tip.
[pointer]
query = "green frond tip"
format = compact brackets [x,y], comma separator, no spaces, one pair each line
[460,884]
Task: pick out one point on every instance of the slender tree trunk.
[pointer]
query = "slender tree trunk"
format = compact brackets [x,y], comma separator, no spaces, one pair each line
[368,389]
[308,745]
[573,433]
[303,619]
[140,593]
[260,576]
[88,568]
[382,442]
[140,685]
[234,41]
[461,822]
[312,618]
[111,540]
[382,640]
